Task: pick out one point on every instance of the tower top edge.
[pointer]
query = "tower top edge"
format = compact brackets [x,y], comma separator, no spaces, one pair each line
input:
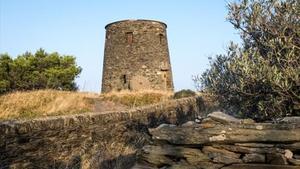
[136,20]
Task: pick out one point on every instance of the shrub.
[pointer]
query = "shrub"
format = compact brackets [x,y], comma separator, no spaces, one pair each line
[260,79]
[38,71]
[184,93]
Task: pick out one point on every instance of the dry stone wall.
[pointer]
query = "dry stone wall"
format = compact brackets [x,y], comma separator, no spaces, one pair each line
[223,142]
[63,141]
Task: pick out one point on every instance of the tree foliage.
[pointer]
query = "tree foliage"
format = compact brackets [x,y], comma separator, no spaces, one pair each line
[259,79]
[184,93]
[38,71]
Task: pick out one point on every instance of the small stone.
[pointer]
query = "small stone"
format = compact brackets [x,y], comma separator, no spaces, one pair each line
[254,158]
[165,125]
[220,137]
[276,158]
[259,127]
[223,118]
[188,124]
[248,121]
[288,154]
[199,117]
[197,121]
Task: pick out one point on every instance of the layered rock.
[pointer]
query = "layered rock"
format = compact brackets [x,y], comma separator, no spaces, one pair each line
[223,142]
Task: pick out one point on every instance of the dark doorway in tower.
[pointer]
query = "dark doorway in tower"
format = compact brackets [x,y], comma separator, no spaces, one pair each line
[124,79]
[164,69]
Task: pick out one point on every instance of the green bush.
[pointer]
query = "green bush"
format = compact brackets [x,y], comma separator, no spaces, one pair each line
[260,79]
[38,71]
[184,93]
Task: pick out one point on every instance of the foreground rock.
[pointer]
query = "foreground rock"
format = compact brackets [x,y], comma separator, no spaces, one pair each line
[223,142]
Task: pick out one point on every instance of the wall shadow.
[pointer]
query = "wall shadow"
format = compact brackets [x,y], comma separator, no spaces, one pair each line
[45,162]
[121,162]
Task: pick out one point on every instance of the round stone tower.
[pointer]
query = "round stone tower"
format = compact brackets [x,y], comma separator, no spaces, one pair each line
[136,56]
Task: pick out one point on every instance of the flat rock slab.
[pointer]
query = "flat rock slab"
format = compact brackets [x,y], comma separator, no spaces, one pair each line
[221,155]
[294,119]
[167,154]
[293,146]
[262,133]
[254,145]
[259,166]
[254,158]
[223,118]
[249,150]
[214,152]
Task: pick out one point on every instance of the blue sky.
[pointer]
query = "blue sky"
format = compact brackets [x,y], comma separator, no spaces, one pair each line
[197,29]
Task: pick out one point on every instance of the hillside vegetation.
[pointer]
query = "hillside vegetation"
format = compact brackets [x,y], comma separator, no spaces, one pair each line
[42,103]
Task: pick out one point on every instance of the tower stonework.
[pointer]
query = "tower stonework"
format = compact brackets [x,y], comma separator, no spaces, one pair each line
[136,56]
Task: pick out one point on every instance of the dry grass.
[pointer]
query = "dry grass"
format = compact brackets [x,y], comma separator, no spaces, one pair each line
[42,103]
[137,98]
[19,105]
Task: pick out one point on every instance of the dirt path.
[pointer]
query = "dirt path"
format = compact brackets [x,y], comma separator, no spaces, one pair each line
[103,106]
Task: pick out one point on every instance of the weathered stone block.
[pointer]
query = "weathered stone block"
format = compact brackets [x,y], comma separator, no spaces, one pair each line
[212,152]
[254,158]
[276,158]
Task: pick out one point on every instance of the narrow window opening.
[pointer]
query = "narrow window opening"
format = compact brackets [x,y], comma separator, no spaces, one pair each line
[129,37]
[124,79]
[161,38]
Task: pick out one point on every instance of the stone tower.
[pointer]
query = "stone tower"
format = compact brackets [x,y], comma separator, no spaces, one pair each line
[136,56]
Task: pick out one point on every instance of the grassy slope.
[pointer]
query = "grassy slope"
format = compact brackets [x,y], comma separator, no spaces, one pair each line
[41,103]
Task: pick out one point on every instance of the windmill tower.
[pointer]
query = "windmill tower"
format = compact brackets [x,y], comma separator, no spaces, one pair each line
[136,56]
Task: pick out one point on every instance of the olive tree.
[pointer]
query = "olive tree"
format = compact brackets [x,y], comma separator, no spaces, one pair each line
[260,78]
